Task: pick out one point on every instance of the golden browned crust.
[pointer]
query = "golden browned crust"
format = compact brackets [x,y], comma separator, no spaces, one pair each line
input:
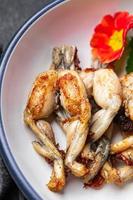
[56,185]
[73,97]
[44,84]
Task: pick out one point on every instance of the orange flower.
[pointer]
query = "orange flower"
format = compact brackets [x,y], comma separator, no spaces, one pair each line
[109,37]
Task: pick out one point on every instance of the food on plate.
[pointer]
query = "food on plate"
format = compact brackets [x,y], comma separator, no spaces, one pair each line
[100,156]
[41,103]
[126,156]
[75,113]
[105,82]
[86,103]
[122,145]
[117,175]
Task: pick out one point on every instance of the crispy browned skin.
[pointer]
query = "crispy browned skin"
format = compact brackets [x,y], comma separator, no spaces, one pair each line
[76,112]
[73,95]
[74,100]
[41,103]
[122,145]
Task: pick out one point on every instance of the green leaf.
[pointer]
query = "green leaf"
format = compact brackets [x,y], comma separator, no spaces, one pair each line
[120,64]
[129,64]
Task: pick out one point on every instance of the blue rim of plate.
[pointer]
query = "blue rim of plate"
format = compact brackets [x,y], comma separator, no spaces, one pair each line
[5,151]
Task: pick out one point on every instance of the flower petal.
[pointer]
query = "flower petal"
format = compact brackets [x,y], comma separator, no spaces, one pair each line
[106,56]
[108,21]
[122,20]
[100,28]
[99,40]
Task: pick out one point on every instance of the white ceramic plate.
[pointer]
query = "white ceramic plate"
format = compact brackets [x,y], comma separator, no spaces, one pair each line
[29,53]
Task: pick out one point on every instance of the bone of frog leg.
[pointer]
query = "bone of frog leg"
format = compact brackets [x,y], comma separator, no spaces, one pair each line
[122,145]
[65,57]
[69,53]
[101,155]
[126,156]
[127,90]
[56,58]
[107,94]
[46,129]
